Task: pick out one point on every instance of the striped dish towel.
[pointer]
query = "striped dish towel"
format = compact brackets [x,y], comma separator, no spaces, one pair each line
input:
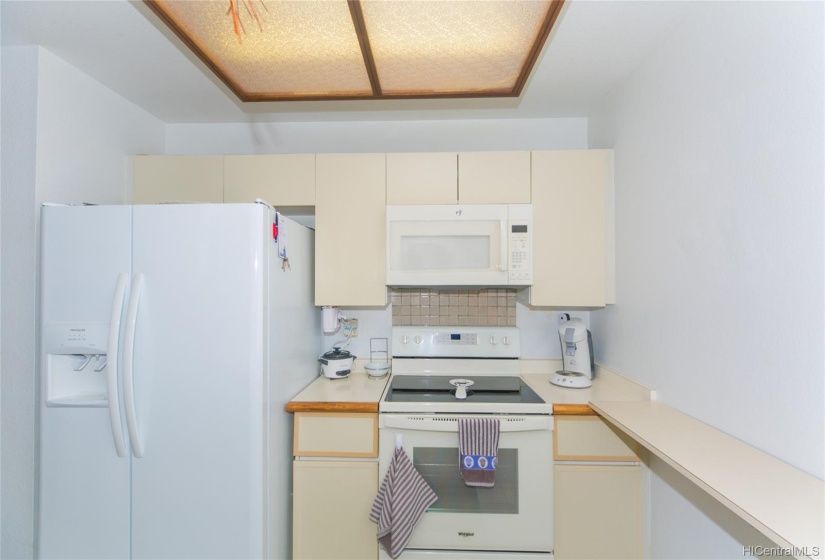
[477,449]
[403,498]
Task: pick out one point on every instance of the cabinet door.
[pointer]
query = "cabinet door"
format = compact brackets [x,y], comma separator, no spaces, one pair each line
[569,227]
[598,512]
[281,180]
[494,177]
[330,510]
[350,225]
[423,178]
[178,179]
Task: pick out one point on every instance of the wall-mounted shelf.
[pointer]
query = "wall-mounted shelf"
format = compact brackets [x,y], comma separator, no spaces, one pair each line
[779,500]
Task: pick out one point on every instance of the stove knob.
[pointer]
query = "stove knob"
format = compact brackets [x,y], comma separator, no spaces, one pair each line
[506,341]
[493,339]
[404,339]
[417,339]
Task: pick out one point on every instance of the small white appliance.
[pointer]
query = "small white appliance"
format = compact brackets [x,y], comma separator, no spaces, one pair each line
[576,355]
[336,364]
[172,339]
[460,245]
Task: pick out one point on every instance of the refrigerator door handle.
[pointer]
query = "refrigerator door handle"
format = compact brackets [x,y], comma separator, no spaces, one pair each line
[128,362]
[111,363]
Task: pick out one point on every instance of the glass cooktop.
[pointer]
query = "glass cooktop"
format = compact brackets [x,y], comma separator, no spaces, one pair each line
[437,388]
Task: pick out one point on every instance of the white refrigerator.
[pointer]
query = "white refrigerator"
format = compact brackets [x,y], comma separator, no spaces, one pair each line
[172,338]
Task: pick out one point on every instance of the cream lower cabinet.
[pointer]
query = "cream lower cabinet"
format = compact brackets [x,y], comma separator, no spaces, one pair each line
[331,507]
[350,225]
[572,228]
[177,179]
[598,489]
[334,482]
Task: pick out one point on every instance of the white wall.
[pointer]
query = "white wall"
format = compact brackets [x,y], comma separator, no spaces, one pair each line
[70,138]
[18,140]
[718,140]
[377,136]
[85,133]
[538,329]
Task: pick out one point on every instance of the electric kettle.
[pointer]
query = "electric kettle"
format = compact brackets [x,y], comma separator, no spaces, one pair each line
[576,354]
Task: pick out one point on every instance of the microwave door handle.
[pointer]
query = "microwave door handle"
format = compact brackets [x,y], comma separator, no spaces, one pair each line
[504,242]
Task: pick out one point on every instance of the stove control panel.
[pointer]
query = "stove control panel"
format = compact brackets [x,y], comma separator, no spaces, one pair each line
[455,338]
[455,342]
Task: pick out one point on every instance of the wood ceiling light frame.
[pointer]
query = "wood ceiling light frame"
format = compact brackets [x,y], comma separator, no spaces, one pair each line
[372,72]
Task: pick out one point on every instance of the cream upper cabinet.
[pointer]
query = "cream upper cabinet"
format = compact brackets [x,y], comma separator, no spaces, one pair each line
[177,179]
[279,179]
[570,233]
[494,177]
[350,224]
[422,178]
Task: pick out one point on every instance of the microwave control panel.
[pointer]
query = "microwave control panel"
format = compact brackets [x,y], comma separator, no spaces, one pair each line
[521,263]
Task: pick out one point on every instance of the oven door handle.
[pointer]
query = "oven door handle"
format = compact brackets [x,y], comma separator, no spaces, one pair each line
[447,423]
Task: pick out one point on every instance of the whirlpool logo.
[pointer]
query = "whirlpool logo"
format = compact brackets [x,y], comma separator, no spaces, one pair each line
[466,534]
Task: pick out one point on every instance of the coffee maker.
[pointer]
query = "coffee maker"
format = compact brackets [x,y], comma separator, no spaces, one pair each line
[576,355]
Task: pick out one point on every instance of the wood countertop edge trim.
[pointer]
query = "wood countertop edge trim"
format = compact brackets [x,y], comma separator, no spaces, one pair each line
[573,409]
[298,406]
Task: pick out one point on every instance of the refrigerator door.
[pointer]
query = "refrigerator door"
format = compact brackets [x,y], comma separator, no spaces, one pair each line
[83,484]
[198,371]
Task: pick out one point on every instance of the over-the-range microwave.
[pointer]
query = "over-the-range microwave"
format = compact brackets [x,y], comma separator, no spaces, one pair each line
[460,245]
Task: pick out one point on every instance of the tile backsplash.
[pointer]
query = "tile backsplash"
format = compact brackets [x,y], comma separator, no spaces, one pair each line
[431,307]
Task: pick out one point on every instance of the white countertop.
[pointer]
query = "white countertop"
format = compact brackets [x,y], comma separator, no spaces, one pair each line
[607,385]
[358,392]
[356,387]
[781,501]
[360,389]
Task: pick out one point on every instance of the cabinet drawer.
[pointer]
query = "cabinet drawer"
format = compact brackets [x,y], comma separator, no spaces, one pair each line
[589,438]
[335,434]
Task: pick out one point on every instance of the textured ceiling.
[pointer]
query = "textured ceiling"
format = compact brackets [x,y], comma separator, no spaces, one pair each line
[594,46]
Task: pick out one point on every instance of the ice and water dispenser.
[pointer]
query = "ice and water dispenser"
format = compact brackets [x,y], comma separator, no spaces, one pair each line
[76,362]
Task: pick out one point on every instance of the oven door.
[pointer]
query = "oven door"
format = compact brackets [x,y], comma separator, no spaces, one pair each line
[514,515]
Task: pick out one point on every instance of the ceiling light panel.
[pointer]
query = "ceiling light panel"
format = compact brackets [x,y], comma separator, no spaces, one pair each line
[303,49]
[426,47]
[271,50]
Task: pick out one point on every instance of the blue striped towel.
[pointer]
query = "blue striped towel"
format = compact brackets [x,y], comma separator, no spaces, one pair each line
[478,450]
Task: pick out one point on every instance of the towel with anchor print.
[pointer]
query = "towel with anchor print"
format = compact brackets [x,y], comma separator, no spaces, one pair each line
[478,450]
[403,498]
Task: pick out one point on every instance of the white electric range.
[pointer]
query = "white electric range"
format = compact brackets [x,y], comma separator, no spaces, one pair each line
[419,410]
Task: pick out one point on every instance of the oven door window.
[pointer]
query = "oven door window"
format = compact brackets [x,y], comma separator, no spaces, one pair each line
[439,467]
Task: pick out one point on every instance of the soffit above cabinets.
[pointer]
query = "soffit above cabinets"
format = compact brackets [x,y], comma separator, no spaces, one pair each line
[280,50]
